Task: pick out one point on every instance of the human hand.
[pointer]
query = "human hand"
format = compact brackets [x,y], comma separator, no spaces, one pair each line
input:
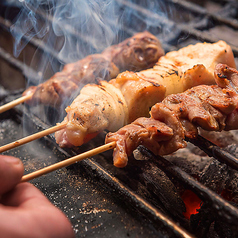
[24,210]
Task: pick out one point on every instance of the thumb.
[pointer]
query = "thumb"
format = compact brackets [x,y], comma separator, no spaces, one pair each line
[11,171]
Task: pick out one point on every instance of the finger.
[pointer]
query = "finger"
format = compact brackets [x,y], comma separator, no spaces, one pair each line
[24,195]
[32,214]
[11,171]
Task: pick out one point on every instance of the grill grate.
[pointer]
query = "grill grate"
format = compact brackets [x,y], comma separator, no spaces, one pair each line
[184,33]
[212,150]
[226,211]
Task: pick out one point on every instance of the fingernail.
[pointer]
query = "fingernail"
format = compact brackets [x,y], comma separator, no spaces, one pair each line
[11,159]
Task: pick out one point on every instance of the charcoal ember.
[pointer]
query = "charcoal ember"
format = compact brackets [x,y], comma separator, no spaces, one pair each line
[215,176]
[231,189]
[191,148]
[200,222]
[224,230]
[144,177]
[163,188]
[190,162]
[221,138]
[233,149]
[206,223]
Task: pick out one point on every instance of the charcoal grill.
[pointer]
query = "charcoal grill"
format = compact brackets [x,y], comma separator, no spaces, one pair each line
[141,200]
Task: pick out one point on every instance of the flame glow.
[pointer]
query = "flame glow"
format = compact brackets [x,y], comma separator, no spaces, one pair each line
[192,203]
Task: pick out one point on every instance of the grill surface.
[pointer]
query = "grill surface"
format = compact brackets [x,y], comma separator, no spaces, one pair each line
[100,200]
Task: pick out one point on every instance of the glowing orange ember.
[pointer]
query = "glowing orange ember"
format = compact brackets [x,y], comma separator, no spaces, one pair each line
[192,203]
[226,195]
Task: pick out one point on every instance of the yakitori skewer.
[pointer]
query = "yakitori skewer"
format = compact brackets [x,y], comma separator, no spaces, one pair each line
[14,103]
[69,161]
[32,137]
[139,52]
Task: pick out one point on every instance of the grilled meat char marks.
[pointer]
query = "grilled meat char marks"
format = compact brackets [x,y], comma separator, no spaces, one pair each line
[227,77]
[202,105]
[208,107]
[174,73]
[131,54]
[90,112]
[139,52]
[145,131]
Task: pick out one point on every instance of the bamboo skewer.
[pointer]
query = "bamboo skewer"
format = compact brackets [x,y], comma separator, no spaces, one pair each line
[32,137]
[69,161]
[14,103]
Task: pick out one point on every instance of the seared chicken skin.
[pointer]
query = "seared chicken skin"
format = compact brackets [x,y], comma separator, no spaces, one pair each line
[100,107]
[139,52]
[93,110]
[175,72]
[212,108]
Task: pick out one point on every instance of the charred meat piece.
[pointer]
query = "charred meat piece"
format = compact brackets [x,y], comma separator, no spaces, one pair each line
[92,111]
[146,131]
[208,107]
[139,52]
[203,105]
[227,77]
[174,73]
[136,53]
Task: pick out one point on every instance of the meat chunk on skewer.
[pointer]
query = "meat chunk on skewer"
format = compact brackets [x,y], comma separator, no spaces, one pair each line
[139,52]
[91,112]
[227,77]
[177,71]
[174,73]
[152,133]
[208,107]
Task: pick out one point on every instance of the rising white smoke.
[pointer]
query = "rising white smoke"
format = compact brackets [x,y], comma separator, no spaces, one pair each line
[74,29]
[93,21]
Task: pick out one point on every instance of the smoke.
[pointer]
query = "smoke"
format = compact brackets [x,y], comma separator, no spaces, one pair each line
[73,29]
[66,26]
[76,28]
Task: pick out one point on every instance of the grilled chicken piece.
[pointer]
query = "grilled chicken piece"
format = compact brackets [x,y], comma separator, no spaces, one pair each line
[227,77]
[90,112]
[213,108]
[146,131]
[139,52]
[175,72]
[143,89]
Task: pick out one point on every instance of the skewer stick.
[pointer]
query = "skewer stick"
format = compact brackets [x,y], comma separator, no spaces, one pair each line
[69,161]
[14,103]
[32,137]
